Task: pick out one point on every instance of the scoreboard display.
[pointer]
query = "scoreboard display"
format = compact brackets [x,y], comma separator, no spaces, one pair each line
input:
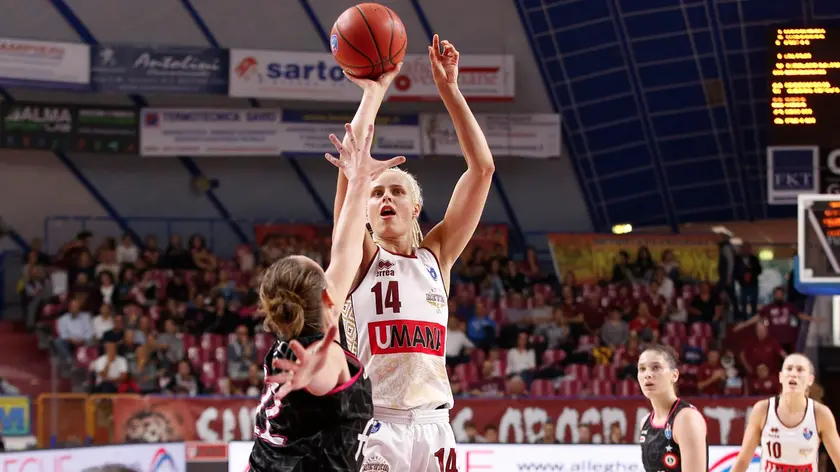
[805,87]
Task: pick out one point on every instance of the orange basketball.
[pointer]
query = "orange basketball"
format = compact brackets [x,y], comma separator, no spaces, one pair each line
[368,40]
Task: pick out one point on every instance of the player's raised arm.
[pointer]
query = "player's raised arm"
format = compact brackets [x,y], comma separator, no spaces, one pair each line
[828,432]
[752,437]
[359,170]
[373,93]
[449,238]
[320,367]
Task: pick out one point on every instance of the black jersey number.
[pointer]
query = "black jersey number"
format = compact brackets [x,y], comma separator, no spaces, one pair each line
[774,449]
[269,408]
[389,299]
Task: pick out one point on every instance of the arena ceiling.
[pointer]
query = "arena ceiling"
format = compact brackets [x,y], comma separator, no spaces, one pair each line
[665,101]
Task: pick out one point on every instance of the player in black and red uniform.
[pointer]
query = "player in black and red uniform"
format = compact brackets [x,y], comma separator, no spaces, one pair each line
[316,407]
[673,436]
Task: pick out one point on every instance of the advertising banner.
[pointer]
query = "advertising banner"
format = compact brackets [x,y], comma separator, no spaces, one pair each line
[308,132]
[829,172]
[159,69]
[791,170]
[519,421]
[44,64]
[591,256]
[263,132]
[207,419]
[211,419]
[288,75]
[69,128]
[210,132]
[15,416]
[151,457]
[560,457]
[487,237]
[519,135]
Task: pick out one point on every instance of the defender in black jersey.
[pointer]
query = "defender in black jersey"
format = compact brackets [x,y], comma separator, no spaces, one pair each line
[293,435]
[660,452]
[316,410]
[673,436]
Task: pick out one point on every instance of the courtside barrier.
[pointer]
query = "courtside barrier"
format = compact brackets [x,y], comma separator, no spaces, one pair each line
[539,457]
[76,418]
[163,457]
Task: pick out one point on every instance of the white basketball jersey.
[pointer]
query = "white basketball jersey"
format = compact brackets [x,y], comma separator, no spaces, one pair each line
[395,323]
[789,449]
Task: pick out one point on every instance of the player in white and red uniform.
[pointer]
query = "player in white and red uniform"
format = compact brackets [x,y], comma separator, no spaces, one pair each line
[396,317]
[790,426]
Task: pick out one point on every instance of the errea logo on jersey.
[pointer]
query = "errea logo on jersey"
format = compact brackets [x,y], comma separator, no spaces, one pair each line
[401,336]
[385,268]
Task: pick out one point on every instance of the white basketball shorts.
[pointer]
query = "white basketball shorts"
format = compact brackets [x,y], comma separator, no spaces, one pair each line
[409,441]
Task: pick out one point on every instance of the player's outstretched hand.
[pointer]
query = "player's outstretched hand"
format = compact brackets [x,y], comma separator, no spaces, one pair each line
[444,63]
[379,85]
[355,160]
[297,374]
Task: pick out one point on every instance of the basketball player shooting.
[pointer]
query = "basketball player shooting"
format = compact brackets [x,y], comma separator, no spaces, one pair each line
[789,427]
[316,403]
[396,314]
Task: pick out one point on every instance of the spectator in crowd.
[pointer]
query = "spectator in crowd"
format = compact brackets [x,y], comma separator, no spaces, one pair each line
[177,288]
[762,384]
[783,319]
[665,287]
[518,319]
[109,370]
[106,288]
[747,272]
[521,360]
[150,257]
[471,433]
[103,322]
[491,434]
[144,370]
[644,266]
[241,354]
[490,383]
[726,272]
[36,292]
[127,252]
[622,271]
[584,434]
[176,256]
[185,381]
[712,375]
[705,308]
[549,434]
[458,345]
[37,254]
[75,329]
[481,330]
[117,331]
[615,331]
[170,345]
[615,436]
[764,349]
[555,333]
[201,256]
